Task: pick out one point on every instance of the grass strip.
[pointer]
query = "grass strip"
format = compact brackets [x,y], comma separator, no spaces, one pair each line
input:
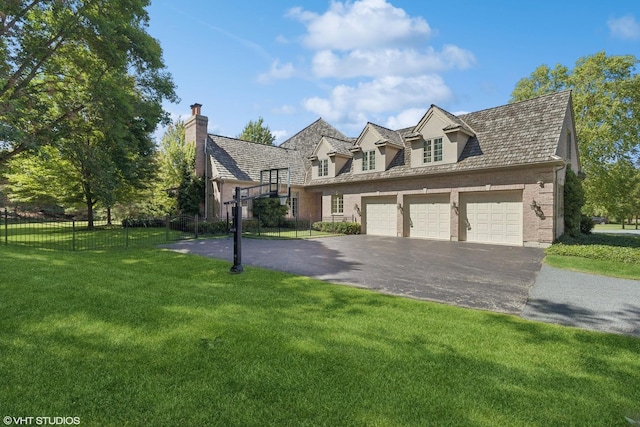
[152,337]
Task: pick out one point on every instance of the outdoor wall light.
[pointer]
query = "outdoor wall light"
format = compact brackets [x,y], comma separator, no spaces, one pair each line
[400,208]
[357,208]
[455,209]
[541,183]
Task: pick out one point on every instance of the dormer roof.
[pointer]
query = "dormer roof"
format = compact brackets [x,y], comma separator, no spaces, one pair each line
[386,137]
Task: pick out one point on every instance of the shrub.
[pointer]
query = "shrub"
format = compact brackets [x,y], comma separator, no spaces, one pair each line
[215,228]
[143,222]
[624,249]
[269,211]
[337,227]
[573,202]
[586,224]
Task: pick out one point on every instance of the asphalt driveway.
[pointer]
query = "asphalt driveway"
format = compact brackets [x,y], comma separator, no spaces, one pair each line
[487,277]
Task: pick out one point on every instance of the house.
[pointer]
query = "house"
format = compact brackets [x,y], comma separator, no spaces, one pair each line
[491,176]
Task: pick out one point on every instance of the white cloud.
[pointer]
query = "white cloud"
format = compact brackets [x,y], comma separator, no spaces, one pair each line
[386,94]
[381,62]
[377,63]
[625,28]
[360,24]
[277,72]
[280,135]
[406,118]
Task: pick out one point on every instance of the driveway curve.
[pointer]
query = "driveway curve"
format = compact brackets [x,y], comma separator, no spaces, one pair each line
[487,277]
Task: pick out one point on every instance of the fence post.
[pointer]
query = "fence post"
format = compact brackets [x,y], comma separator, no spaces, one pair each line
[73,234]
[126,235]
[166,221]
[195,226]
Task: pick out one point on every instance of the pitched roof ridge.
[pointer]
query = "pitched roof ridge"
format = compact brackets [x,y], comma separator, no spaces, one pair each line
[535,98]
[318,120]
[382,127]
[212,135]
[345,139]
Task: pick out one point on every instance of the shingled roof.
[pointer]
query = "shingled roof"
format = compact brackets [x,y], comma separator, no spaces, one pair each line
[389,135]
[235,159]
[522,133]
[340,146]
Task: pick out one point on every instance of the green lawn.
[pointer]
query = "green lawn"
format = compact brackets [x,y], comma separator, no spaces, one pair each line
[154,338]
[613,227]
[63,235]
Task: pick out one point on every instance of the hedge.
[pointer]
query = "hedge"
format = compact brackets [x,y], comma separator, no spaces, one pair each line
[337,227]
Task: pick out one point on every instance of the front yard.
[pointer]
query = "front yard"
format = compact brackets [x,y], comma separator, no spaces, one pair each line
[152,337]
[616,255]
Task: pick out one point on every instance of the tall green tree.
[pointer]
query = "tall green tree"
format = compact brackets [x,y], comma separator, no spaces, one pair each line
[83,77]
[176,155]
[50,48]
[177,169]
[618,191]
[606,100]
[257,132]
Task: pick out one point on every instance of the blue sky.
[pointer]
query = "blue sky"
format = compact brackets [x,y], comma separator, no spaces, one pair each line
[383,61]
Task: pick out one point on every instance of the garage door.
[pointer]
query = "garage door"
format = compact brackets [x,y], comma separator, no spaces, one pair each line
[493,217]
[430,217]
[381,216]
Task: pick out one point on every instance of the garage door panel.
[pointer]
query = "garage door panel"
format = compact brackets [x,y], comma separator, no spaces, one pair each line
[494,217]
[381,217]
[429,217]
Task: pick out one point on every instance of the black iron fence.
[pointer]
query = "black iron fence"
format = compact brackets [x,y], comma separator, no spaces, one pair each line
[75,235]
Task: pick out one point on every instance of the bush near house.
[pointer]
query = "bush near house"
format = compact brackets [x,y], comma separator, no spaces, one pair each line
[608,247]
[337,227]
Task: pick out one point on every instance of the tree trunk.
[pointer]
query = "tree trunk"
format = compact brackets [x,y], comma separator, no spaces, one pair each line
[89,214]
[109,215]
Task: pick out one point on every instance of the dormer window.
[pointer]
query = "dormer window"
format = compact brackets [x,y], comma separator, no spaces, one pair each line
[369,160]
[323,167]
[432,150]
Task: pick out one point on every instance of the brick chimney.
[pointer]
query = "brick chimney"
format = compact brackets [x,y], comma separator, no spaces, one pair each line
[195,130]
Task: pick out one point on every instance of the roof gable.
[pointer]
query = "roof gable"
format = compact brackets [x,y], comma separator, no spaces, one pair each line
[376,135]
[442,120]
[332,146]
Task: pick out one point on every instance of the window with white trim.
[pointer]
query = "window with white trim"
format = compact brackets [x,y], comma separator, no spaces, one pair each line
[369,160]
[432,150]
[337,204]
[294,205]
[323,167]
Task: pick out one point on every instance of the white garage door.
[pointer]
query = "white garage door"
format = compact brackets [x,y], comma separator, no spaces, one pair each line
[381,217]
[493,217]
[430,217]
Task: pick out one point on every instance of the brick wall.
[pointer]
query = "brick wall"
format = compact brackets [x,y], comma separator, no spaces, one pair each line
[535,183]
